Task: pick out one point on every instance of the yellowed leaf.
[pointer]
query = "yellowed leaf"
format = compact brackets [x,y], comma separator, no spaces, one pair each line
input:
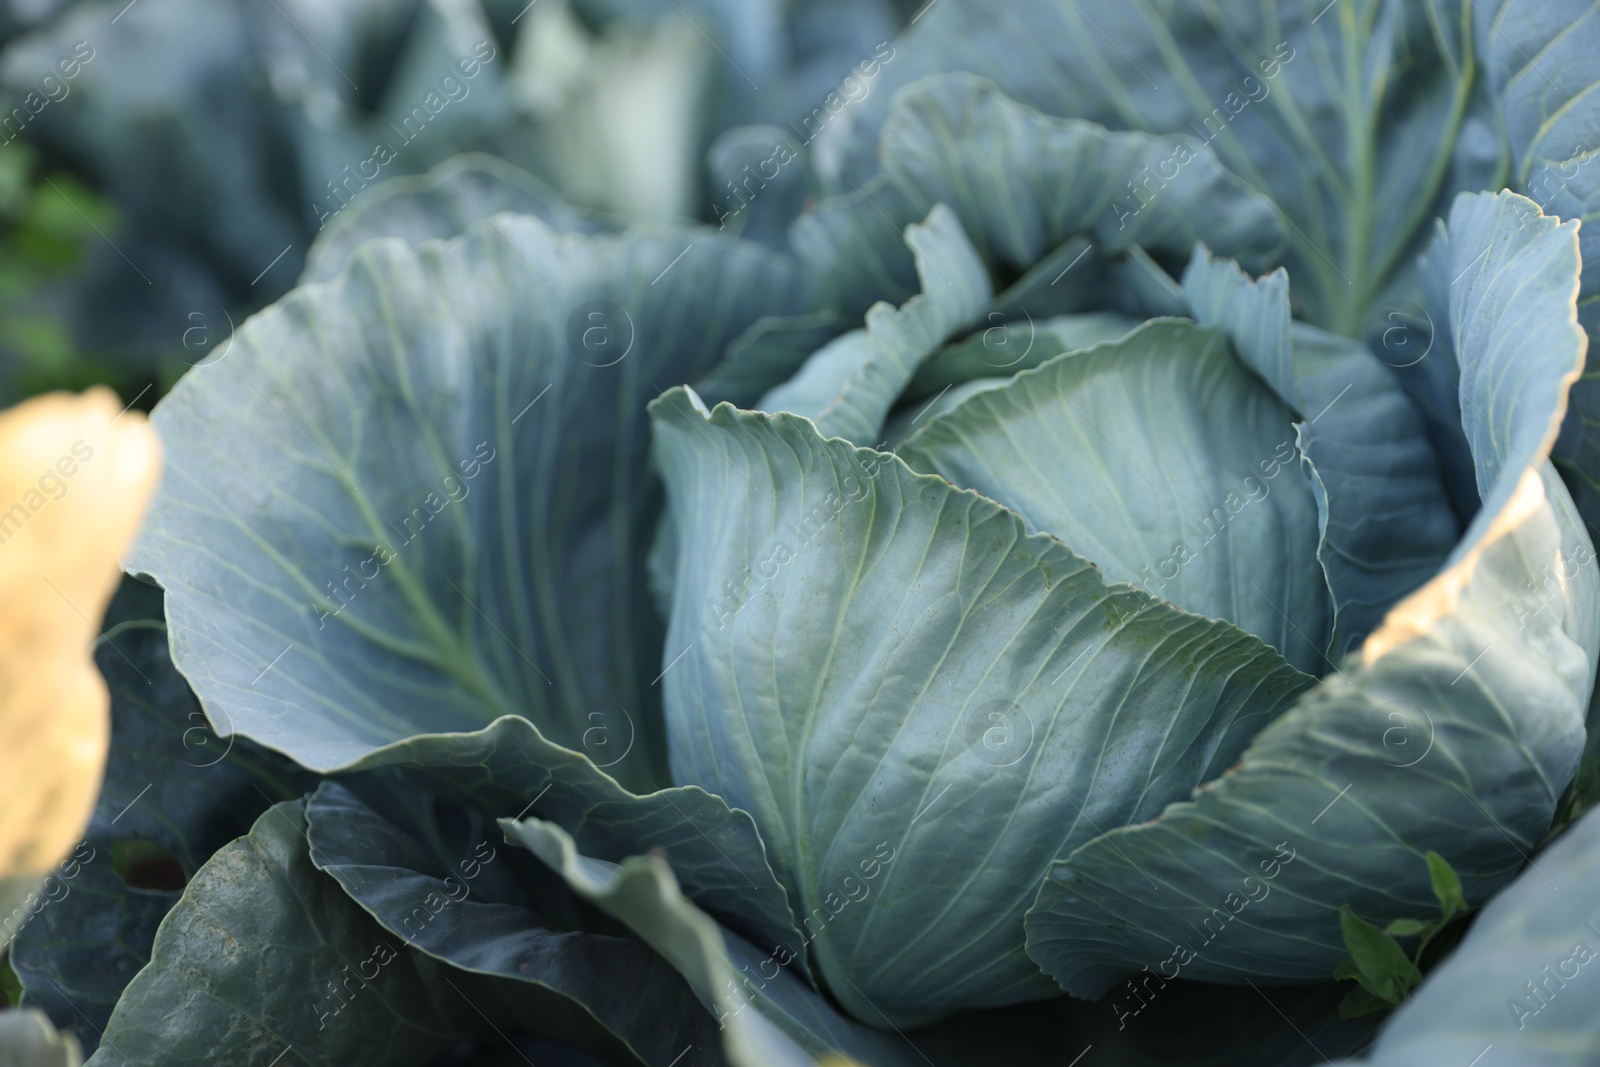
[76,474]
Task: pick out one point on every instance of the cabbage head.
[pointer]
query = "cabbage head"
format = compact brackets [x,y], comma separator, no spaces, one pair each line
[1110,582]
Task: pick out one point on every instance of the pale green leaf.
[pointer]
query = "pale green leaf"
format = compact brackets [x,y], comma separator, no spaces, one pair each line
[1376,960]
[1446,885]
[1165,461]
[848,386]
[919,702]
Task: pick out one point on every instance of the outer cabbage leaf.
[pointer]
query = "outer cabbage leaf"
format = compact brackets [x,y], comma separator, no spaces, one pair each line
[1522,987]
[1455,729]
[848,386]
[769,1016]
[415,499]
[1387,524]
[325,979]
[1359,118]
[779,1022]
[890,673]
[1156,451]
[1540,60]
[1022,184]
[202,1000]
[509,766]
[173,785]
[439,204]
[436,884]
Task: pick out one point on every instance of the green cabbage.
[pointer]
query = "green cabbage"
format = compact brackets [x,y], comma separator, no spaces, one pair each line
[1111,578]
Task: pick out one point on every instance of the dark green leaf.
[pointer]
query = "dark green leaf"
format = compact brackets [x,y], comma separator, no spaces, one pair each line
[175,786]
[1446,885]
[1377,960]
[1358,1002]
[446,891]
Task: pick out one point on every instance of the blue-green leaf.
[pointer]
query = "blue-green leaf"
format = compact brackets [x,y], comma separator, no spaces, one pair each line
[264,954]
[746,199]
[767,354]
[1540,56]
[1357,118]
[440,887]
[848,386]
[509,767]
[415,499]
[1455,729]
[919,702]
[1386,523]
[1022,184]
[768,1016]
[1165,461]
[442,203]
[1005,347]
